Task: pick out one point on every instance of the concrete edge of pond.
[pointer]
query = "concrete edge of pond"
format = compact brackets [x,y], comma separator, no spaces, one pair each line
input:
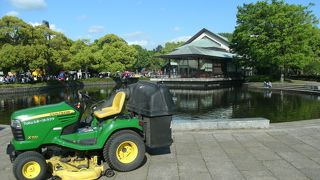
[195,125]
[13,90]
[295,88]
[236,123]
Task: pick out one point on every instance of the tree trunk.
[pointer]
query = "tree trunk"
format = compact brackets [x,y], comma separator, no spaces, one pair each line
[86,72]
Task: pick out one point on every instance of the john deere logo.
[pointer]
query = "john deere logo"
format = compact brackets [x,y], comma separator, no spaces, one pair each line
[58,113]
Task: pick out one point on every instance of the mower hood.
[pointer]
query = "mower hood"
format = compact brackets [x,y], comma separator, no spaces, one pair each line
[42,112]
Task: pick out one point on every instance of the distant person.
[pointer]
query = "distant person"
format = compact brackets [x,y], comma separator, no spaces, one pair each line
[264,84]
[269,84]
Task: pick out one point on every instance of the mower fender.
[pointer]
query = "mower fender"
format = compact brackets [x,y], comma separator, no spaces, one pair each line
[116,125]
[11,152]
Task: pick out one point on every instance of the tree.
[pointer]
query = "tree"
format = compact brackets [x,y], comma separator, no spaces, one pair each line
[14,31]
[226,35]
[274,36]
[114,54]
[156,62]
[31,47]
[144,58]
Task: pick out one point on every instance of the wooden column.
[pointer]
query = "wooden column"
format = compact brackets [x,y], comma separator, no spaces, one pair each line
[169,68]
[198,67]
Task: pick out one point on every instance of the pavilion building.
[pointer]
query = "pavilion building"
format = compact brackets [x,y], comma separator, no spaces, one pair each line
[203,61]
[205,55]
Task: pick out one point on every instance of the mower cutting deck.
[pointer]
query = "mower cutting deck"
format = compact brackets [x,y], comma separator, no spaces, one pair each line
[52,137]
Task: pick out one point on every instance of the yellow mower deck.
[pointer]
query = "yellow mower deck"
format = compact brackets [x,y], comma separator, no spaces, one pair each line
[73,168]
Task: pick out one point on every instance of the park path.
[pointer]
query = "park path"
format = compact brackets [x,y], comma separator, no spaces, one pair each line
[284,151]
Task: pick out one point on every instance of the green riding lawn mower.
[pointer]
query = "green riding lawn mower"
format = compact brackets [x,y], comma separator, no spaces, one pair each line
[52,141]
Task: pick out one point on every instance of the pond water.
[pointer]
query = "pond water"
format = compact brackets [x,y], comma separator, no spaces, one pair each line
[212,105]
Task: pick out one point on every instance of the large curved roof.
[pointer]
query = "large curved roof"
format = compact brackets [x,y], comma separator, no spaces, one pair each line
[202,46]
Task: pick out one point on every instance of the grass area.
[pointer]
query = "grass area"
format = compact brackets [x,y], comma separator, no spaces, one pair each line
[96,80]
[144,78]
[29,85]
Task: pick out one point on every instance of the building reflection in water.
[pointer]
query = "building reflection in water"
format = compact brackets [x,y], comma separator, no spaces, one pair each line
[229,103]
[213,104]
[208,104]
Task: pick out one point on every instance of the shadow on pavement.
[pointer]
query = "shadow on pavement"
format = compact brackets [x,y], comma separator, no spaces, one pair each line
[159,151]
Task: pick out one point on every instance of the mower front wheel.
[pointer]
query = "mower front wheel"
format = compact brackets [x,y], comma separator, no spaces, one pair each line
[30,165]
[124,151]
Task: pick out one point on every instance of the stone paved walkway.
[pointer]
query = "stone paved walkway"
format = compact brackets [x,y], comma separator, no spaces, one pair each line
[284,151]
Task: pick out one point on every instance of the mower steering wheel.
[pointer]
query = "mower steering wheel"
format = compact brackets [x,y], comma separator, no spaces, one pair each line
[84,95]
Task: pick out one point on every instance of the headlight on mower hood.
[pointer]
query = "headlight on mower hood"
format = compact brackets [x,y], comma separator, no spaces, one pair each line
[16,124]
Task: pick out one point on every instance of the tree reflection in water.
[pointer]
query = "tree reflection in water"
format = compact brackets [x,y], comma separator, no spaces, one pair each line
[213,105]
[228,103]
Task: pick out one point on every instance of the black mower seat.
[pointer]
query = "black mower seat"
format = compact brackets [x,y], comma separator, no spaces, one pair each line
[114,109]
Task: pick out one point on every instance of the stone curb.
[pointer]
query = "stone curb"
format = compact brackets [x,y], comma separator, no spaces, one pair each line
[45,88]
[196,125]
[237,123]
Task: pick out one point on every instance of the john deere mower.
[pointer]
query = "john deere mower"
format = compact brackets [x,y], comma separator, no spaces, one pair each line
[52,138]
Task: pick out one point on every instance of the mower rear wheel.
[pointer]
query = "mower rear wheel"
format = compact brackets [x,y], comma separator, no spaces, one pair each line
[124,151]
[30,165]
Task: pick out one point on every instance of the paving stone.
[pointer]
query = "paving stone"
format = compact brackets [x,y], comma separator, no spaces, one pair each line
[204,138]
[191,164]
[187,149]
[248,163]
[247,140]
[286,139]
[258,175]
[310,141]
[224,170]
[307,150]
[162,170]
[263,153]
[183,137]
[298,160]
[193,176]
[283,170]
[311,173]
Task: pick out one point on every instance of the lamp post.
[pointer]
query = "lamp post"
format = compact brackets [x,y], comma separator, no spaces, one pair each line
[48,38]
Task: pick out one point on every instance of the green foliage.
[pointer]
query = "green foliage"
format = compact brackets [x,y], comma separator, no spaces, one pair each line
[144,58]
[24,47]
[312,68]
[226,35]
[114,54]
[275,35]
[258,78]
[157,62]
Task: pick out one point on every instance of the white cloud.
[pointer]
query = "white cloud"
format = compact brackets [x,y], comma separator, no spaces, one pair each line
[181,38]
[87,36]
[29,4]
[134,35]
[52,26]
[35,24]
[176,29]
[12,13]
[96,29]
[142,43]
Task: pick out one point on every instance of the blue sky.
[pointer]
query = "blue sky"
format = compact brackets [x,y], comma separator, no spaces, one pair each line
[144,22]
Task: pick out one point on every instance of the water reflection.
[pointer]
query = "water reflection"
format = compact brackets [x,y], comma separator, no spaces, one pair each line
[12,102]
[240,103]
[214,104]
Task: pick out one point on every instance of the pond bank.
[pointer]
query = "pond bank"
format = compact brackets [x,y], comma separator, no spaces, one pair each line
[306,87]
[45,87]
